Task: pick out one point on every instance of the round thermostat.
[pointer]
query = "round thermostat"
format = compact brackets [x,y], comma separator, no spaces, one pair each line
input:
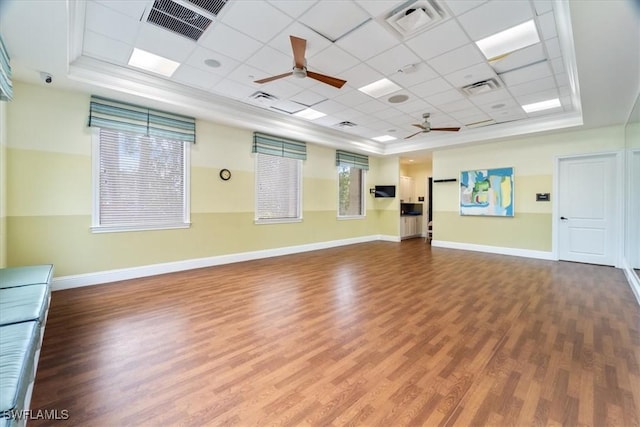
[225,174]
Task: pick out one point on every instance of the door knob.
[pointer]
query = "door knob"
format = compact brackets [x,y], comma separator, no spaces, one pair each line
[564,218]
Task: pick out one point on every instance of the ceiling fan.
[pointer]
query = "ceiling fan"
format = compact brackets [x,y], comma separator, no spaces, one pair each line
[426,127]
[299,46]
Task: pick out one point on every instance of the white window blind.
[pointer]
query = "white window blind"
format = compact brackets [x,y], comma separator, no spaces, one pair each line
[350,191]
[142,182]
[278,188]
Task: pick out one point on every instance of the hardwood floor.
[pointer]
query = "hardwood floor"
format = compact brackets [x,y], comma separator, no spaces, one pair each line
[380,333]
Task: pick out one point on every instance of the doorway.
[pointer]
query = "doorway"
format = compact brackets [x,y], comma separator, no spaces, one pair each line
[587,215]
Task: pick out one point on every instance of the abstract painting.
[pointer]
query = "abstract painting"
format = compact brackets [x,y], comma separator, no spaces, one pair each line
[487,192]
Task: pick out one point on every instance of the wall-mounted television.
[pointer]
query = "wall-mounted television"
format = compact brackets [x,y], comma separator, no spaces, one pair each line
[385,191]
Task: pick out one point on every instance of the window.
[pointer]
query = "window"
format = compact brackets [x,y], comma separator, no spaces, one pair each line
[352,169]
[140,182]
[350,191]
[278,189]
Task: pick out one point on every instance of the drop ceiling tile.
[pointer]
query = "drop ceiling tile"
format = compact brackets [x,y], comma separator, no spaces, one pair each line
[132,8]
[542,6]
[350,114]
[542,95]
[390,114]
[270,62]
[308,98]
[372,106]
[315,42]
[421,74]
[330,107]
[200,54]
[545,112]
[456,106]
[495,16]
[448,35]
[282,88]
[352,98]
[377,7]
[293,8]
[498,107]
[418,106]
[469,75]
[194,77]
[288,107]
[459,7]
[444,97]
[526,74]
[509,115]
[533,86]
[360,75]
[364,119]
[431,87]
[547,25]
[164,43]
[329,121]
[332,61]
[366,41]
[110,23]
[333,19]
[102,47]
[257,19]
[520,58]
[221,38]
[490,97]
[394,59]
[470,120]
[245,74]
[233,90]
[553,48]
[557,65]
[326,90]
[457,59]
[382,127]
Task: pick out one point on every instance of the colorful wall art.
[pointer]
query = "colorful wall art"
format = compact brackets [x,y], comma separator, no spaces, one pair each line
[487,192]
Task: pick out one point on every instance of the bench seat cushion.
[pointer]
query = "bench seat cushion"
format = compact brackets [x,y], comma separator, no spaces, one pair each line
[29,275]
[18,343]
[23,304]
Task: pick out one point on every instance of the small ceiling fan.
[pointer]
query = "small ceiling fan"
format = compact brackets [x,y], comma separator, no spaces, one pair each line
[426,127]
[299,46]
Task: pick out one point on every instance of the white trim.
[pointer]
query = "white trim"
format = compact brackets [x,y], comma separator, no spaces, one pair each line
[526,253]
[632,278]
[618,156]
[80,280]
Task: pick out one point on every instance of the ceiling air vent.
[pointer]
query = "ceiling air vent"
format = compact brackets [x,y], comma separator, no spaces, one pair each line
[179,19]
[263,99]
[346,124]
[480,87]
[414,16]
[212,6]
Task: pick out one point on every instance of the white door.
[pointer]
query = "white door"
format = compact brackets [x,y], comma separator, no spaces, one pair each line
[587,203]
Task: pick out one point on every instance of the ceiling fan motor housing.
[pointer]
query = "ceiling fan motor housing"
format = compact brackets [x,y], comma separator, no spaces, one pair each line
[300,72]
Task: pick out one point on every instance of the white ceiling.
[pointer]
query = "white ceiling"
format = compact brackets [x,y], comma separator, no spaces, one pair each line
[588,57]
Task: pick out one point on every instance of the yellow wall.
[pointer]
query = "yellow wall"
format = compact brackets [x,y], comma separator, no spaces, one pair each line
[49,195]
[533,161]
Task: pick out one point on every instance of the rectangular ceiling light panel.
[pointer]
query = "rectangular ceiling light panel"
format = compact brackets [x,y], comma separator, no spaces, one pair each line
[510,40]
[380,88]
[309,114]
[151,62]
[542,105]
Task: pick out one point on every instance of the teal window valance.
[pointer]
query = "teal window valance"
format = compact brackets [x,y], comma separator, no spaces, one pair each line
[345,158]
[6,88]
[111,114]
[277,146]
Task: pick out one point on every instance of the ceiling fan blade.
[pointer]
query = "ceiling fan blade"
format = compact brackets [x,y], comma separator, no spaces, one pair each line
[419,126]
[413,134]
[447,129]
[299,46]
[333,81]
[272,78]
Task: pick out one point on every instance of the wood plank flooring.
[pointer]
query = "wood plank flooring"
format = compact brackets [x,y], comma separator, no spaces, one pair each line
[375,334]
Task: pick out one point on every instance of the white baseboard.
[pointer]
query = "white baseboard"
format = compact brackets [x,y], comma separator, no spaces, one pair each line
[632,278]
[88,279]
[526,253]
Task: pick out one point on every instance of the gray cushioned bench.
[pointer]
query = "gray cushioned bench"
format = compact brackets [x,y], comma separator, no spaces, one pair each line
[25,294]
